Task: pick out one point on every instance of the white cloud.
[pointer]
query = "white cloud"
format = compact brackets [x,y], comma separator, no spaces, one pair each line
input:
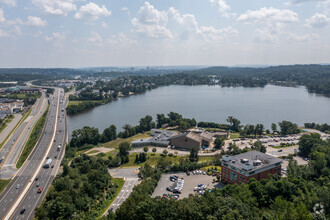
[317,21]
[4,33]
[272,15]
[9,2]
[95,38]
[303,38]
[188,21]
[264,36]
[325,5]
[56,36]
[104,25]
[2,16]
[92,11]
[36,21]
[126,10]
[15,22]
[55,7]
[151,22]
[121,40]
[223,7]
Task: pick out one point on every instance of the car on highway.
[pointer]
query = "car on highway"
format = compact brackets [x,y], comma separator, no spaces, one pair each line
[17,186]
[40,190]
[52,166]
[22,211]
[38,184]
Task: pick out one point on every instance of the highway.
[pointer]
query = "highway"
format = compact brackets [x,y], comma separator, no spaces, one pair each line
[21,193]
[15,143]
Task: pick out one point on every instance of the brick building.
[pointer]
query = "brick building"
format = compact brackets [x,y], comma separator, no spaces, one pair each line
[253,164]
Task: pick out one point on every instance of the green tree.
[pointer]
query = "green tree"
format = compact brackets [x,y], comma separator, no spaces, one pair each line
[308,142]
[165,152]
[154,150]
[193,157]
[274,127]
[145,149]
[219,142]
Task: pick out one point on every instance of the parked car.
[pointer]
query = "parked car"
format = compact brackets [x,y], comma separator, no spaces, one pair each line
[169,189]
[204,173]
[188,173]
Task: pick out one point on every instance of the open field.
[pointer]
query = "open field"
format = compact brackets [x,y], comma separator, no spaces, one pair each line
[115,143]
[152,160]
[78,102]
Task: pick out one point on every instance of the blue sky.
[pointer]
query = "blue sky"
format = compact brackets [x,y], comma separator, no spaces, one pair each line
[82,33]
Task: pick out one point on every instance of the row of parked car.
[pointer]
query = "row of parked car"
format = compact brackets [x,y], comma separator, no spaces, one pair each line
[200,189]
[199,172]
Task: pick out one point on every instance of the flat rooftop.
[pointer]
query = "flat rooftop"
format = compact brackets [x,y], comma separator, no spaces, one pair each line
[250,161]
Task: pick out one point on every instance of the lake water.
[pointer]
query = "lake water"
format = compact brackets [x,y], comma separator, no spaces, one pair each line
[211,103]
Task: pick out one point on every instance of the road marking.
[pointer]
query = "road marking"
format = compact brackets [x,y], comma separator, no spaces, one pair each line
[13,208]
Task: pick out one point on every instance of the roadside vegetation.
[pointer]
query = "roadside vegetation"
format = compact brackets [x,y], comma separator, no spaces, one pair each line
[3,184]
[83,191]
[18,124]
[33,139]
[5,121]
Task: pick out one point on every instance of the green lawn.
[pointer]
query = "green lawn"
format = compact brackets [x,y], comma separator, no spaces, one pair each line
[3,184]
[34,137]
[152,160]
[120,182]
[234,135]
[78,102]
[115,143]
[212,167]
[204,159]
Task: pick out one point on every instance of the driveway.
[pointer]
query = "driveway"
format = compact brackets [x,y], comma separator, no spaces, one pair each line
[130,175]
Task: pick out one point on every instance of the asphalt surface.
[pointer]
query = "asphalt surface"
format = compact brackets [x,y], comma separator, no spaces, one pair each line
[131,179]
[21,193]
[5,132]
[15,143]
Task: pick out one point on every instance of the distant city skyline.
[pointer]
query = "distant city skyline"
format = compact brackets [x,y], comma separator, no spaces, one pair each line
[79,33]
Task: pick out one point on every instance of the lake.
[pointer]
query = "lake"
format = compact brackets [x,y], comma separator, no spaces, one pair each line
[211,103]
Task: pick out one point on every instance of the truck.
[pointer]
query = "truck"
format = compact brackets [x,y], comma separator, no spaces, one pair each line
[48,163]
[59,147]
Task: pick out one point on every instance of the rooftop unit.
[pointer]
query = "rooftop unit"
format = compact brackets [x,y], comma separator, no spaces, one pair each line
[226,158]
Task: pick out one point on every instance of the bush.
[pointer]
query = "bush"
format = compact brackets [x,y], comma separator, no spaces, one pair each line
[170,155]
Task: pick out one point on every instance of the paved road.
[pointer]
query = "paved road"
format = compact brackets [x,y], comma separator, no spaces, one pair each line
[15,143]
[5,132]
[131,179]
[14,198]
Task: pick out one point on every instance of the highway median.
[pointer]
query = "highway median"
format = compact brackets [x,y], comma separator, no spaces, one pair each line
[33,139]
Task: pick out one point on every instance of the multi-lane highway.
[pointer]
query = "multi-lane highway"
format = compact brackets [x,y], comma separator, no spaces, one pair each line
[21,193]
[15,143]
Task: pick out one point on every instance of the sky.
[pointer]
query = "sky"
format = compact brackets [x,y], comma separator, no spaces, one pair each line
[83,33]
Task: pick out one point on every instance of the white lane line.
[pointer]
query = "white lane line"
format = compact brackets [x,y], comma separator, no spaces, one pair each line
[13,208]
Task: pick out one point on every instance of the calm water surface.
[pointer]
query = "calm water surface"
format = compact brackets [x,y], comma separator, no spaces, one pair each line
[211,103]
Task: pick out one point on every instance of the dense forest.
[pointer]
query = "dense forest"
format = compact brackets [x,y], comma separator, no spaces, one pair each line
[304,194]
[80,192]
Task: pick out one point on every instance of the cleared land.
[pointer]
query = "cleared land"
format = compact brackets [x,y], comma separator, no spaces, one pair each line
[115,143]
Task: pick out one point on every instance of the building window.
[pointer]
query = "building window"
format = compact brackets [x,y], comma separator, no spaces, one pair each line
[243,179]
[233,177]
[253,172]
[226,165]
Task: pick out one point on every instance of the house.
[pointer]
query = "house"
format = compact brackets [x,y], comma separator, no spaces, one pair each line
[192,139]
[160,138]
[253,164]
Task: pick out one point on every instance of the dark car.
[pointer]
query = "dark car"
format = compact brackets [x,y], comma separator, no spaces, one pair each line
[280,150]
[188,173]
[169,189]
[52,166]
[22,211]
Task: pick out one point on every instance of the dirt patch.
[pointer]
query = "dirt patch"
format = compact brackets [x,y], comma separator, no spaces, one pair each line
[98,150]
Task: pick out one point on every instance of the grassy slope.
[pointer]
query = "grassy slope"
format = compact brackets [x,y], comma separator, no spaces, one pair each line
[120,182]
[3,184]
[32,141]
[115,143]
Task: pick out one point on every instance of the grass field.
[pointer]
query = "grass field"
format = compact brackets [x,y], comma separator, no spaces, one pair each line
[234,135]
[152,160]
[211,167]
[120,182]
[115,143]
[34,137]
[77,102]
[3,184]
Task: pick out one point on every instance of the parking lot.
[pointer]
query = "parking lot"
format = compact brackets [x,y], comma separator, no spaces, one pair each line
[190,182]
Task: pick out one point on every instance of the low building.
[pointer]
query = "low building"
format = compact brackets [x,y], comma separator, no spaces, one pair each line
[192,139]
[160,138]
[253,164]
